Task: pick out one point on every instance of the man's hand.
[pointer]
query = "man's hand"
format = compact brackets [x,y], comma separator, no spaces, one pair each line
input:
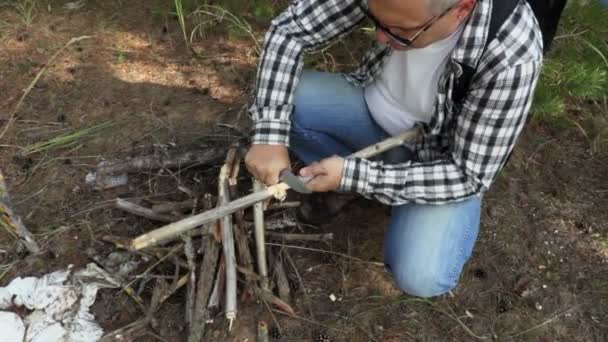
[327,174]
[265,162]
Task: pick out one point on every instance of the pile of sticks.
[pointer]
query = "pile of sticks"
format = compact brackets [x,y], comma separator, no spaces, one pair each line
[217,250]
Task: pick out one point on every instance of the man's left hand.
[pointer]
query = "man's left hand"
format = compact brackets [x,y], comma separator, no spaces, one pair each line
[327,174]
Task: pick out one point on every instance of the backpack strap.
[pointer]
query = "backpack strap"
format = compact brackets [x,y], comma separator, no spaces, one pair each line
[501,10]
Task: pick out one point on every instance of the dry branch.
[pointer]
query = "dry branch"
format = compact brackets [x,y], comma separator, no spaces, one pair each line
[191,289]
[274,300]
[168,207]
[283,205]
[138,210]
[301,237]
[203,290]
[11,222]
[220,280]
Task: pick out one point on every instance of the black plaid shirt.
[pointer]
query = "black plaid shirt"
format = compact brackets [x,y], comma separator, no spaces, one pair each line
[463,147]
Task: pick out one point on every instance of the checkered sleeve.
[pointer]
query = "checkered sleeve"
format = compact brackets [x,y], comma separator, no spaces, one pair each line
[306,25]
[487,127]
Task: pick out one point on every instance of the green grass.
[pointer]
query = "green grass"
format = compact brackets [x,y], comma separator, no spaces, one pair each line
[66,140]
[26,10]
[575,73]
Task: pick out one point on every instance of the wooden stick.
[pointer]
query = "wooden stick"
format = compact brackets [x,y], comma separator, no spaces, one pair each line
[244,252]
[281,223]
[191,289]
[281,279]
[138,210]
[220,280]
[230,304]
[387,144]
[170,231]
[168,207]
[284,205]
[12,222]
[260,243]
[274,300]
[301,237]
[203,290]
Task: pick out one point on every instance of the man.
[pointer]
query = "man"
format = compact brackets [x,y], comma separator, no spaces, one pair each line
[435,187]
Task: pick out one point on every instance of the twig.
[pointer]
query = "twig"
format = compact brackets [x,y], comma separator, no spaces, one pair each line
[191,289]
[458,320]
[309,321]
[130,332]
[35,80]
[301,237]
[274,300]
[274,318]
[301,283]
[258,218]
[230,305]
[543,323]
[126,287]
[138,210]
[315,250]
[12,223]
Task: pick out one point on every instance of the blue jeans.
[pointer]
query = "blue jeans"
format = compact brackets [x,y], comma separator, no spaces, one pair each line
[425,246]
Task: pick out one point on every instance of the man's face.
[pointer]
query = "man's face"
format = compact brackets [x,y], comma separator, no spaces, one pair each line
[405,19]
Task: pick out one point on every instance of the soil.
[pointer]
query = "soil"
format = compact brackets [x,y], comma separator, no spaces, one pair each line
[539,270]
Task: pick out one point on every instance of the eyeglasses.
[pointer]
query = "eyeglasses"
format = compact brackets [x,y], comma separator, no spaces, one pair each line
[404,42]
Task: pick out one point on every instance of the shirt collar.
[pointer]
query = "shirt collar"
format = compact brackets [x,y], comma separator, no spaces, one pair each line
[472,42]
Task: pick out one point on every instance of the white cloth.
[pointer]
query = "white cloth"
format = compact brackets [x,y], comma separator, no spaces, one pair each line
[406,89]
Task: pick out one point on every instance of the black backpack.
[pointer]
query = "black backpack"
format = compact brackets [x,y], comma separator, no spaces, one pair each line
[547,12]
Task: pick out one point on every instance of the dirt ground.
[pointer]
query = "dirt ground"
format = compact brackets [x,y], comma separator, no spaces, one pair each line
[539,270]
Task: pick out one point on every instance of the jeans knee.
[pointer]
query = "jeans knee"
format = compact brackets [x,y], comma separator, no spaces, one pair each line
[423,283]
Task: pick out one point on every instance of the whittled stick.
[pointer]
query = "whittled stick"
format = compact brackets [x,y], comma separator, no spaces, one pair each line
[170,231]
[230,304]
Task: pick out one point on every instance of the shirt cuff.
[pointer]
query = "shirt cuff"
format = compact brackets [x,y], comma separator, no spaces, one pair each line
[272,125]
[357,176]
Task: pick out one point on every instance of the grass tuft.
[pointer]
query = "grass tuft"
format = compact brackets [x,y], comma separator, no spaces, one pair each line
[66,140]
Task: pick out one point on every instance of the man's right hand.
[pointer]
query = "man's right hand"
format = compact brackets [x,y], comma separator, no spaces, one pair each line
[265,162]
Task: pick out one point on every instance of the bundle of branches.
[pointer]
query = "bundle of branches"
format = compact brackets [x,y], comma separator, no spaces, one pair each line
[217,249]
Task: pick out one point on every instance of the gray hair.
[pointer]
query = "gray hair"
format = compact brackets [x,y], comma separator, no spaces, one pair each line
[438,6]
